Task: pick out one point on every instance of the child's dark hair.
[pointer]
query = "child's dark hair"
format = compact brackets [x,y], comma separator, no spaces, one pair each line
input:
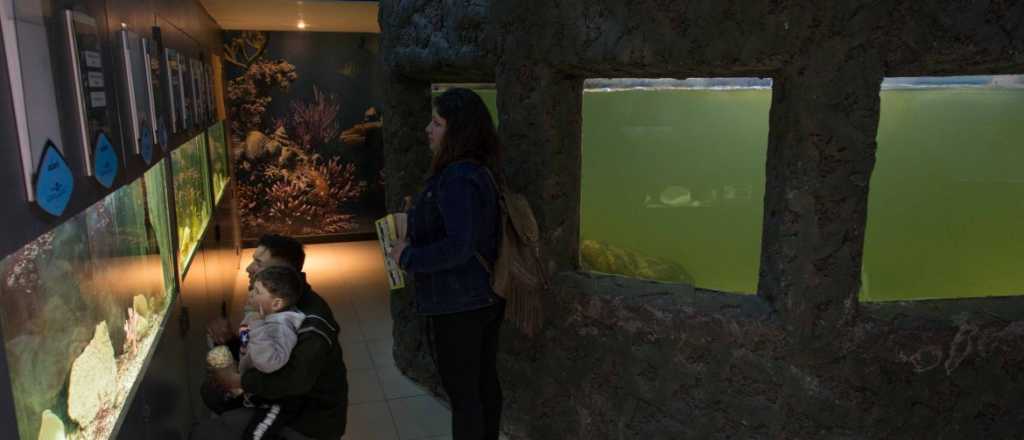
[281,282]
[285,248]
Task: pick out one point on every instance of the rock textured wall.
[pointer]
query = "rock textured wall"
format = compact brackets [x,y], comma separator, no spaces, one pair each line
[624,358]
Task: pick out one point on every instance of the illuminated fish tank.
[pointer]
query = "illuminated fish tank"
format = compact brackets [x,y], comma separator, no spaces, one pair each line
[219,159]
[946,203]
[673,179]
[157,203]
[673,185]
[191,172]
[81,307]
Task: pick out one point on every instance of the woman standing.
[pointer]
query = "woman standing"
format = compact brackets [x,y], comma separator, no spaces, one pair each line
[453,237]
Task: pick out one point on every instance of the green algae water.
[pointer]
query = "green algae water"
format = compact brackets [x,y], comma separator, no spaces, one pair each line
[676,176]
[673,189]
[946,207]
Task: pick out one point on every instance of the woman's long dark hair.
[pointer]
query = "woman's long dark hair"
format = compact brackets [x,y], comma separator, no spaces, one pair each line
[470,133]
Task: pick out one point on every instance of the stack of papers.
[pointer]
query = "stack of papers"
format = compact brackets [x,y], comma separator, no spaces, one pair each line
[391,230]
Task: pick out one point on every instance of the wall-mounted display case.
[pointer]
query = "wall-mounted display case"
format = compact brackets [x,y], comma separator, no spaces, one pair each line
[139,113]
[172,78]
[81,307]
[188,110]
[192,205]
[92,95]
[33,87]
[157,111]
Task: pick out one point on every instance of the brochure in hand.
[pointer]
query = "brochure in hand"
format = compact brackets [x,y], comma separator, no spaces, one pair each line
[391,230]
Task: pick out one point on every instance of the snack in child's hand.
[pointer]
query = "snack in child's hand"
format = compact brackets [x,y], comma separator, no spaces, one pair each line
[220,357]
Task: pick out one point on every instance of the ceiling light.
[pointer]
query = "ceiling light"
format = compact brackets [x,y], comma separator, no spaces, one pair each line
[302,24]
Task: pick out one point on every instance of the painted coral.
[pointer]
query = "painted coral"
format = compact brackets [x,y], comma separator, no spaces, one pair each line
[315,123]
[285,189]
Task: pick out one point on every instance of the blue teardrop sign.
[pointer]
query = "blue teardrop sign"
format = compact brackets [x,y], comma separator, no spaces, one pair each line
[146,144]
[54,182]
[105,162]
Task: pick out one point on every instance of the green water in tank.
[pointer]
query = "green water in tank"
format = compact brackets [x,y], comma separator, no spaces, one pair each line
[946,207]
[192,197]
[674,179]
[217,143]
[673,182]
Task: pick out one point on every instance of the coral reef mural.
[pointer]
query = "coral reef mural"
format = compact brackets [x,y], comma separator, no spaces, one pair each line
[306,131]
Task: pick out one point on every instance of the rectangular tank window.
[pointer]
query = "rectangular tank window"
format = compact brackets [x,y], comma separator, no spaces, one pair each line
[159,216]
[673,179]
[219,157]
[81,307]
[192,197]
[947,191]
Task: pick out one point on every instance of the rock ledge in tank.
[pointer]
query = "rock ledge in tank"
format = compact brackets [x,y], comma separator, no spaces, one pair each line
[93,378]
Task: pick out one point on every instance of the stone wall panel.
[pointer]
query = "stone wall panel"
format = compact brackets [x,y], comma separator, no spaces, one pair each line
[630,359]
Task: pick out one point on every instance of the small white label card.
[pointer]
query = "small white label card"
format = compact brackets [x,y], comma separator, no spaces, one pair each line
[96,79]
[92,59]
[98,99]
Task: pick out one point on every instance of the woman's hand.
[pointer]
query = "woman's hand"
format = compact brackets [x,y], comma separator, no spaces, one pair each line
[396,251]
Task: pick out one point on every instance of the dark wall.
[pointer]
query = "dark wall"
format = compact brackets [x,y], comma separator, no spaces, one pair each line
[309,154]
[7,155]
[622,358]
[164,404]
[190,30]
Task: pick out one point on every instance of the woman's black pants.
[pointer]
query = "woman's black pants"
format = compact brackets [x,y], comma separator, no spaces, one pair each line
[466,352]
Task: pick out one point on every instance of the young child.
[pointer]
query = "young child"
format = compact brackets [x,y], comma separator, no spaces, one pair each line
[273,323]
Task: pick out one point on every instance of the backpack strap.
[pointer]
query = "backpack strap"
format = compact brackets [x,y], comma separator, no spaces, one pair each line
[501,206]
[484,263]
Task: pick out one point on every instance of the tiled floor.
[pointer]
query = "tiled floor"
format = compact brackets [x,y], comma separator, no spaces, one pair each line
[383,404]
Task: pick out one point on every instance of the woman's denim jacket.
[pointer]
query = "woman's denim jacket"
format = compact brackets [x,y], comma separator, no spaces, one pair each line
[451,220]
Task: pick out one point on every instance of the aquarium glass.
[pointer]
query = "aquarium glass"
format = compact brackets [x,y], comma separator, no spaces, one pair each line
[159,217]
[673,178]
[946,203]
[191,196]
[81,306]
[219,159]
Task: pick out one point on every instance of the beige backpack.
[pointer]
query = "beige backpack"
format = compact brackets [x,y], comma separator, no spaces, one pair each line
[518,274]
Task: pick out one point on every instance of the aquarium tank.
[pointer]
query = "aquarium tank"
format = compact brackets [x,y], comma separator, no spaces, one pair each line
[160,217]
[219,159]
[191,197]
[81,307]
[673,179]
[946,203]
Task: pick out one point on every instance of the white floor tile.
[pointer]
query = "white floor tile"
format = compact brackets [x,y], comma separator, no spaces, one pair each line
[357,356]
[370,421]
[395,385]
[419,417]
[378,329]
[381,352]
[364,386]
